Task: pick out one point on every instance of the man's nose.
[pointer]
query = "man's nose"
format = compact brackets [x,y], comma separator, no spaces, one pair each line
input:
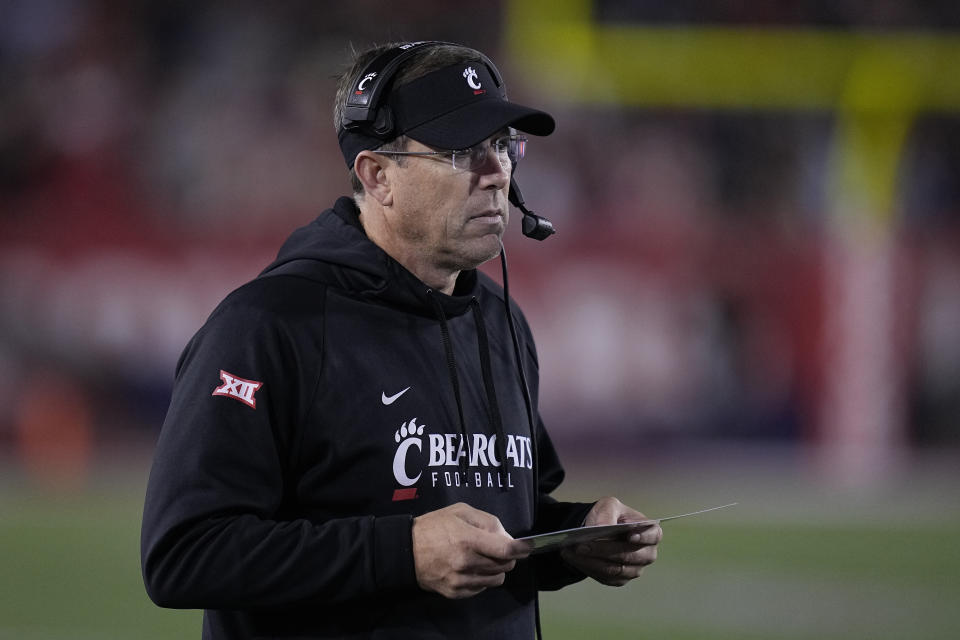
[495,170]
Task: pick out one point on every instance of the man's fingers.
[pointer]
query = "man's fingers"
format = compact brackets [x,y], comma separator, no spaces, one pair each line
[475,554]
[607,571]
[498,546]
[651,534]
[466,586]
[489,538]
[605,511]
[616,561]
[609,510]
[482,565]
[617,552]
[618,547]
[459,551]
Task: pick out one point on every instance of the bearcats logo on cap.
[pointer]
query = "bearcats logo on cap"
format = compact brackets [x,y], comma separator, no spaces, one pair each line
[471,75]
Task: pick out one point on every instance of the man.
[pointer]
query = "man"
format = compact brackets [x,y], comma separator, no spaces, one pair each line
[353,447]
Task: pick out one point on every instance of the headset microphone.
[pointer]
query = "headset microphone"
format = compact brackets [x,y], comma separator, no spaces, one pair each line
[534,226]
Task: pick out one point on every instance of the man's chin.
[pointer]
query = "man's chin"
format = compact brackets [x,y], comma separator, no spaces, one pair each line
[482,249]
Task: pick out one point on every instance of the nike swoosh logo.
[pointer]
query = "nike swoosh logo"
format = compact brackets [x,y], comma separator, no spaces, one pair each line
[390,399]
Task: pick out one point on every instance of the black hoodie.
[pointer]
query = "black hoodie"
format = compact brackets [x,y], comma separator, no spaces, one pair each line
[320,408]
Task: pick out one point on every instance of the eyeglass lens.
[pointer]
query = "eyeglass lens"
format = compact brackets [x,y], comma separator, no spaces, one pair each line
[508,149]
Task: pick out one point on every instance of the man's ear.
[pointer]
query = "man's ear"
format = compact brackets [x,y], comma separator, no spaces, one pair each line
[371,171]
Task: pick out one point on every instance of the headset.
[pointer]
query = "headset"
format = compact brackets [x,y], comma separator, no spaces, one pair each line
[366,111]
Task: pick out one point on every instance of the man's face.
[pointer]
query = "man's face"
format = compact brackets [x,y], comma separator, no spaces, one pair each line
[455,218]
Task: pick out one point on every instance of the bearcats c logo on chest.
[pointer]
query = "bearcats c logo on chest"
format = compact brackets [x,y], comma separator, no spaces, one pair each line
[441,453]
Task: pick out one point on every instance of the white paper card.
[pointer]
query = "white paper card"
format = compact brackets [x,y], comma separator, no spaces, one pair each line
[558,539]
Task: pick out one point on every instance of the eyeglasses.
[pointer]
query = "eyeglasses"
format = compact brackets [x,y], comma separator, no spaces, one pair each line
[508,150]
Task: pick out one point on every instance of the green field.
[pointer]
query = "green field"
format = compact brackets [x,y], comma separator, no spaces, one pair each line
[795,559]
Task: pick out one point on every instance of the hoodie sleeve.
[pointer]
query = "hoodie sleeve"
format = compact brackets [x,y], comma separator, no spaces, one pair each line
[551,571]
[213,534]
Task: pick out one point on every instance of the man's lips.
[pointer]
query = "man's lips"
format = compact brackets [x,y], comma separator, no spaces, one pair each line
[491,217]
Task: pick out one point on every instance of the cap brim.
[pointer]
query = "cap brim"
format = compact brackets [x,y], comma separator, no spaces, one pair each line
[477,121]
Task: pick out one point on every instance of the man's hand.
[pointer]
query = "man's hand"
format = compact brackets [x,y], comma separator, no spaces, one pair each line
[615,562]
[459,551]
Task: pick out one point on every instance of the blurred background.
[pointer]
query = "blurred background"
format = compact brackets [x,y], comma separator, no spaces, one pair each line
[753,295]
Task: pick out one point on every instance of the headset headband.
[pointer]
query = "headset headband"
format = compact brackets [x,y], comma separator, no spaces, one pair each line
[373,82]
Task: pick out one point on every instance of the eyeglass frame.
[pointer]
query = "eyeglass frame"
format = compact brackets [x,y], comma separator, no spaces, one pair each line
[474,163]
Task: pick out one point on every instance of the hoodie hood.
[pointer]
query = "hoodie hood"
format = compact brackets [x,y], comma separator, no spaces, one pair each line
[335,250]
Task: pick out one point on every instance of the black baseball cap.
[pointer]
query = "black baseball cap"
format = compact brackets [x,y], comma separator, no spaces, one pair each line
[452,108]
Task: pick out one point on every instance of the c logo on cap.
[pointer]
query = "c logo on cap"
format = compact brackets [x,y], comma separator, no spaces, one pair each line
[367,78]
[471,75]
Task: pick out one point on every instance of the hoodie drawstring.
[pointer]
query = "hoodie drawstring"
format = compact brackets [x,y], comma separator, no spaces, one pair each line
[493,407]
[454,380]
[495,419]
